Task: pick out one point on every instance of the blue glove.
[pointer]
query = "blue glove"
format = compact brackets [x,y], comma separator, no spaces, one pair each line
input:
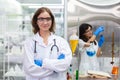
[61,56]
[101,41]
[98,30]
[38,62]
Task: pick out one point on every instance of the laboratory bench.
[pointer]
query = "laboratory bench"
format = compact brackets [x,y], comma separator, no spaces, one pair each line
[115,77]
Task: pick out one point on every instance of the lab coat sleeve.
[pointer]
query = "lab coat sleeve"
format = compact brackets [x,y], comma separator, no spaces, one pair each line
[28,63]
[62,64]
[81,45]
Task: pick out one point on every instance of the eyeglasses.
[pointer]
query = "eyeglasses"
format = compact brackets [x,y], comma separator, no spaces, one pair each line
[41,19]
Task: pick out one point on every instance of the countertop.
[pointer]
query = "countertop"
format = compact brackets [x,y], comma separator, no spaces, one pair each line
[114,77]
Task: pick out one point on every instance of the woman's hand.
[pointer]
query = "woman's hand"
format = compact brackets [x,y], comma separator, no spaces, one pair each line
[99,30]
[38,62]
[61,56]
[101,41]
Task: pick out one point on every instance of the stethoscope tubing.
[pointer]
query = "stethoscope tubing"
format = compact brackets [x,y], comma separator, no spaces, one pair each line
[54,45]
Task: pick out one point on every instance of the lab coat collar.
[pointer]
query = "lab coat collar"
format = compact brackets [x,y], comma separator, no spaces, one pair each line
[39,39]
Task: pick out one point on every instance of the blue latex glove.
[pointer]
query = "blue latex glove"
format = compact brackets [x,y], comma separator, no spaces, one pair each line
[101,41]
[90,53]
[98,30]
[38,62]
[61,56]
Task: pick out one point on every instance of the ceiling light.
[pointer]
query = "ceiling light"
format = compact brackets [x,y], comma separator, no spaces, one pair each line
[50,6]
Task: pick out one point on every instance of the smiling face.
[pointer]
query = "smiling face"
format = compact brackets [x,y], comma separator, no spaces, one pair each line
[44,21]
[88,32]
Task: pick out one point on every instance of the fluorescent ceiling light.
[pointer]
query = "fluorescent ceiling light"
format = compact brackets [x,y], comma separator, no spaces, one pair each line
[24,4]
[40,2]
[50,6]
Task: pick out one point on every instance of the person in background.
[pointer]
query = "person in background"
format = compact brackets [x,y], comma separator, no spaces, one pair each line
[89,48]
[47,56]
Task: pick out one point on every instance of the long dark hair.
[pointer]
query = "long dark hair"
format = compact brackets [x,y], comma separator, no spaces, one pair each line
[82,29]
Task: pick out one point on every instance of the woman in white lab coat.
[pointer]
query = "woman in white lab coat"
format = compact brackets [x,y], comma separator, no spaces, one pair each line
[47,56]
[89,48]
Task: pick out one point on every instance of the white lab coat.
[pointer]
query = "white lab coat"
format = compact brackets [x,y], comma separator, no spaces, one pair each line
[52,68]
[87,62]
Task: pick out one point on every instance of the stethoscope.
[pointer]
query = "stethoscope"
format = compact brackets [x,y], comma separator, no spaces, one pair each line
[53,46]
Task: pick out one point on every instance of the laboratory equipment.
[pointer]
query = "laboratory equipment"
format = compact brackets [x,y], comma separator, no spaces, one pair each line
[73,42]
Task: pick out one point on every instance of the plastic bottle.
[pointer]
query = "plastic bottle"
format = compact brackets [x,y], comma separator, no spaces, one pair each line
[77,75]
[115,68]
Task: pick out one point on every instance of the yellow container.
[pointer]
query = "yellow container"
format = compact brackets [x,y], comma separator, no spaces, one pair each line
[73,45]
[73,42]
